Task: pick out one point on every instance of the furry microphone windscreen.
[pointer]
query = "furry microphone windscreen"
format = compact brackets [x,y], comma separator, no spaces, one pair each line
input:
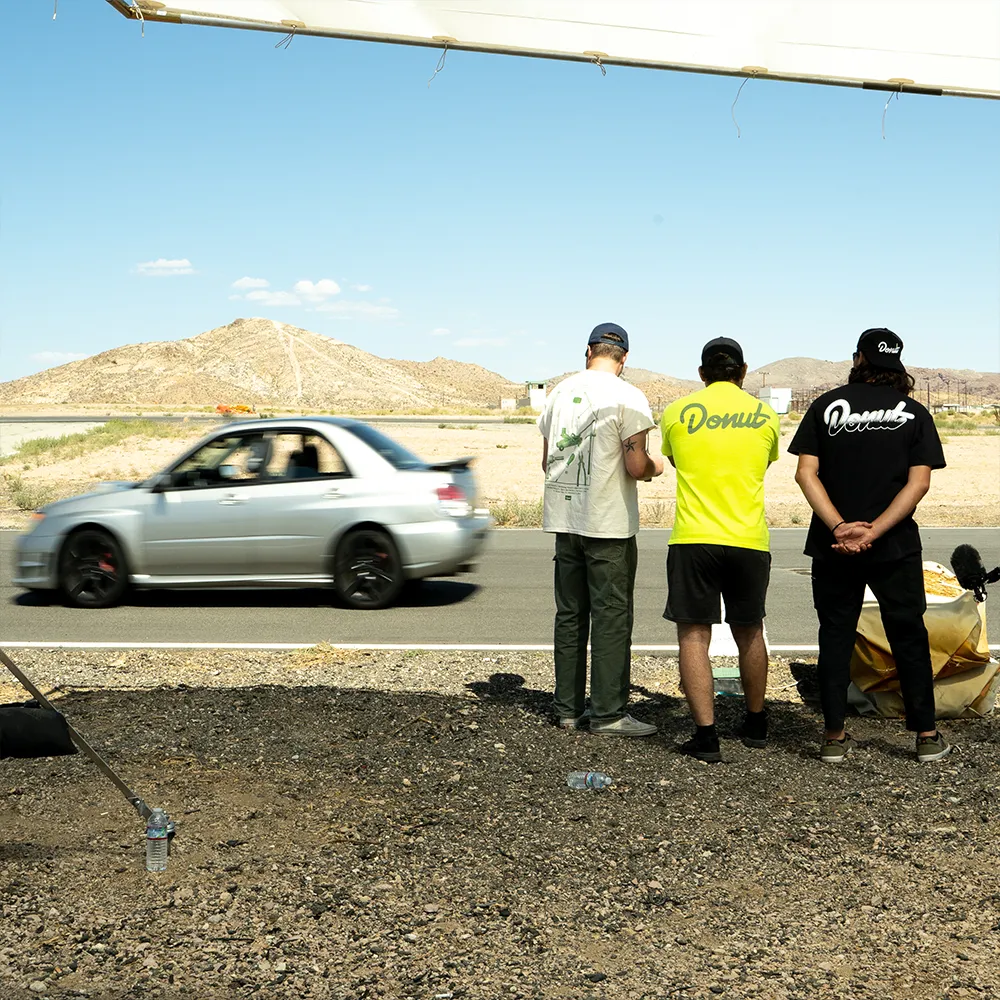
[968,566]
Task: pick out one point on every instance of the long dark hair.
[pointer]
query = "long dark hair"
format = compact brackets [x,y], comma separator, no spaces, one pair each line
[901,381]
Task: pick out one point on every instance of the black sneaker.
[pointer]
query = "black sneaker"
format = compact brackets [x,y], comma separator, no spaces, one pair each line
[704,748]
[753,732]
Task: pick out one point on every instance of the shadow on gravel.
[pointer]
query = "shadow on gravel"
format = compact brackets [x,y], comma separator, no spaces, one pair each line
[425,594]
[346,843]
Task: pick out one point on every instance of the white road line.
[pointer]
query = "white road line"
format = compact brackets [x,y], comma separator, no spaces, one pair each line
[430,647]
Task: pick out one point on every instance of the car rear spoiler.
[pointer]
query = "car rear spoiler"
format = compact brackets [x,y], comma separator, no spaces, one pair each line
[452,465]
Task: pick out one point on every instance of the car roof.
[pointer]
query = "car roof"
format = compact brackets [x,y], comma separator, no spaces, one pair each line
[266,423]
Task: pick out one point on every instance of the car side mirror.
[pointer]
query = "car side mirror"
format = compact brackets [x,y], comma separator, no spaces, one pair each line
[228,471]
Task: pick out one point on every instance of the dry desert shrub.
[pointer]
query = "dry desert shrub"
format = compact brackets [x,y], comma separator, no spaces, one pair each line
[24,495]
[513,512]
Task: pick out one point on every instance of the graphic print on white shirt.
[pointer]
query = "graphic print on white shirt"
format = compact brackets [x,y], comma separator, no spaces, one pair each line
[838,417]
[570,463]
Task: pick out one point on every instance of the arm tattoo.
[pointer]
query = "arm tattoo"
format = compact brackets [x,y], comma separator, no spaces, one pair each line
[630,446]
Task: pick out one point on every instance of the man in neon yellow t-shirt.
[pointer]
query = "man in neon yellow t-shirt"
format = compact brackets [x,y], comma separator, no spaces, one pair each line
[721,441]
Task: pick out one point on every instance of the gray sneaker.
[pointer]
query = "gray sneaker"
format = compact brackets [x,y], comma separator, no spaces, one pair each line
[931,748]
[625,726]
[575,721]
[834,751]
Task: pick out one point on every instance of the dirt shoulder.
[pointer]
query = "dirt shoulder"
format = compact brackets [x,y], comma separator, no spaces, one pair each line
[382,825]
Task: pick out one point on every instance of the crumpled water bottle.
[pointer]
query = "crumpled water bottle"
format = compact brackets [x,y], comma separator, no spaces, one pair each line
[157,841]
[726,682]
[596,781]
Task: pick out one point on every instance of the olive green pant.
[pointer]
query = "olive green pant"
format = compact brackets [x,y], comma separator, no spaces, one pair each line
[594,583]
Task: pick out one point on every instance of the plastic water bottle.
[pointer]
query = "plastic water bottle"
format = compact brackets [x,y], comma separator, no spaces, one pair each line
[157,842]
[727,682]
[594,780]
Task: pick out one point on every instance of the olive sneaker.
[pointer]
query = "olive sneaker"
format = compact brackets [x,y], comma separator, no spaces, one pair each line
[834,751]
[575,721]
[931,748]
[625,726]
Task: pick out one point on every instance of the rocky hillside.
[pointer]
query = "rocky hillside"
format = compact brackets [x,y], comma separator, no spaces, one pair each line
[267,364]
[264,363]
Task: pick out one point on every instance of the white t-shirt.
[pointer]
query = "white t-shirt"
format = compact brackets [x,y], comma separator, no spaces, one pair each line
[588,490]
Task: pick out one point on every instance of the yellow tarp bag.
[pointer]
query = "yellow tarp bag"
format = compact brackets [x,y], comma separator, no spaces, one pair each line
[965,678]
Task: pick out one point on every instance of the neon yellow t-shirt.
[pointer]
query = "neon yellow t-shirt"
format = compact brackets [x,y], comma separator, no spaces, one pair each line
[721,441]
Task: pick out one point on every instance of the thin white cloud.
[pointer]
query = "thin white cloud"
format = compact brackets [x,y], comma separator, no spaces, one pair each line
[252,283]
[57,357]
[273,298]
[358,310]
[161,267]
[361,288]
[319,291]
[440,331]
[482,342]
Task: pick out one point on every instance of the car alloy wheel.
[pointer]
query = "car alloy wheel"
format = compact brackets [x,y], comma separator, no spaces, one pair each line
[92,571]
[368,572]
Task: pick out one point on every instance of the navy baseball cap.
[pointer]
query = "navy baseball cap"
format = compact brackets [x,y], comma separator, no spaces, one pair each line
[882,349]
[609,333]
[722,345]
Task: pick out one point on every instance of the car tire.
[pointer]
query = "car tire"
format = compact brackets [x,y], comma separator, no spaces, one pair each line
[92,570]
[367,570]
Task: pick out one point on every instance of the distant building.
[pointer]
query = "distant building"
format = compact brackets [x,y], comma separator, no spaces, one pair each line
[508,403]
[778,399]
[534,396]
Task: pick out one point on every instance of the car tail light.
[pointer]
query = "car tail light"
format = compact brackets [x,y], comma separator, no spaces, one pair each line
[452,500]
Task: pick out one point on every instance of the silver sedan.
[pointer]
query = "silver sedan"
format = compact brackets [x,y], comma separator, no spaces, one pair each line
[269,503]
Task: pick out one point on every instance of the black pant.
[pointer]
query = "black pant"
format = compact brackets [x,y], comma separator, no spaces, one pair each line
[838,594]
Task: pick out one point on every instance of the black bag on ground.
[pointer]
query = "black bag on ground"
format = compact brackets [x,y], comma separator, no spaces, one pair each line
[28,730]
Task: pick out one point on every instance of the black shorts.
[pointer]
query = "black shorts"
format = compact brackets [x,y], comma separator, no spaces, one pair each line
[698,574]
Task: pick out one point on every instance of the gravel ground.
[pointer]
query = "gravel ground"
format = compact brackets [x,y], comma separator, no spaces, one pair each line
[387,825]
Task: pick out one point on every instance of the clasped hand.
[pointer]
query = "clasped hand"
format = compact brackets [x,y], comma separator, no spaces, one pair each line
[853,537]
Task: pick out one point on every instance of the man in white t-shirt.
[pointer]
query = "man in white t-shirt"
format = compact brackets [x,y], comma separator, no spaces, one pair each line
[595,427]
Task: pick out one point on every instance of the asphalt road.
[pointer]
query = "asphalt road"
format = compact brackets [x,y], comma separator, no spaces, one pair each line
[507,600]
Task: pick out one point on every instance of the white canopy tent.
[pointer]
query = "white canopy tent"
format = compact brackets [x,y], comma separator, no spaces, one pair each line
[939,47]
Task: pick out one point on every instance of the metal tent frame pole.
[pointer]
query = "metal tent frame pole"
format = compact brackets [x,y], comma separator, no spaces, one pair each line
[133,800]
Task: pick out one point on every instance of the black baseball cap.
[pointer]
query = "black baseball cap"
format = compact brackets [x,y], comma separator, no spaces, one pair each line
[722,345]
[609,333]
[882,349]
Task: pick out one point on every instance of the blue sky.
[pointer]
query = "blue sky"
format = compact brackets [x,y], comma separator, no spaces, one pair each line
[494,216]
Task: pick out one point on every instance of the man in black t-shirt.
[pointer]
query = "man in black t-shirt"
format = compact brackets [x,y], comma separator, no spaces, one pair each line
[866,451]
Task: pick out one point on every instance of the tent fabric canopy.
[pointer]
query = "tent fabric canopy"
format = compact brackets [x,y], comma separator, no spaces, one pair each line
[918,46]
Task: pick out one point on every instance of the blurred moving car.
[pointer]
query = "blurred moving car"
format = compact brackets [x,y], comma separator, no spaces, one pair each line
[268,503]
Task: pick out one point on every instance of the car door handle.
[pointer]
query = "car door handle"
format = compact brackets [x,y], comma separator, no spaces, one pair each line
[231,499]
[333,494]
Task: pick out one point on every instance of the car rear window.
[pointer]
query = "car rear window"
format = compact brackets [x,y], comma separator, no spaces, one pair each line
[395,454]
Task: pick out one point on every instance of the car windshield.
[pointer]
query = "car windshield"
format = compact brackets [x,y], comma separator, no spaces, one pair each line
[395,454]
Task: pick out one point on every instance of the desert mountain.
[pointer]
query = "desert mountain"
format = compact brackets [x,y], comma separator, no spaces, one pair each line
[273,365]
[264,363]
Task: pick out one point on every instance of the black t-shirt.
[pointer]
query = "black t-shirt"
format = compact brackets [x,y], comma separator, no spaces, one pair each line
[866,438]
